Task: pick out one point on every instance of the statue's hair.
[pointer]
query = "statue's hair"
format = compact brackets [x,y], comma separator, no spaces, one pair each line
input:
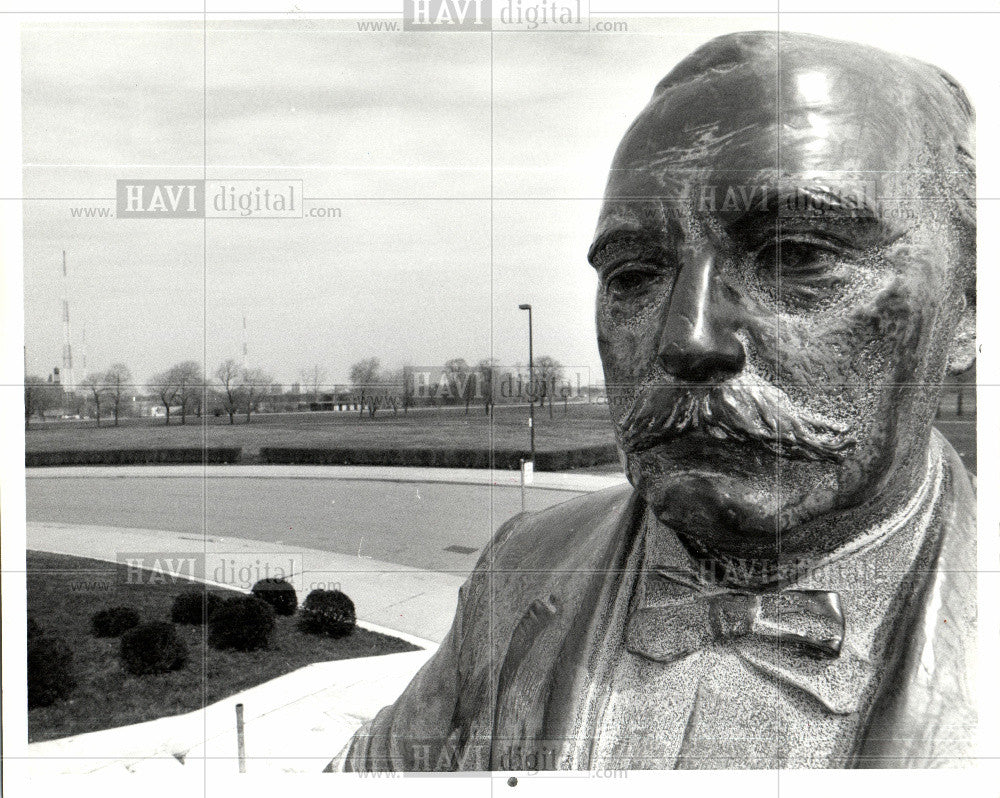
[963,185]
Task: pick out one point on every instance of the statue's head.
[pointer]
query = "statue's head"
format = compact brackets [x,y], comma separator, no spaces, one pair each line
[786,255]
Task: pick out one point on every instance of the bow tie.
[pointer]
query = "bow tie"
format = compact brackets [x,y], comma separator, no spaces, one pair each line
[811,620]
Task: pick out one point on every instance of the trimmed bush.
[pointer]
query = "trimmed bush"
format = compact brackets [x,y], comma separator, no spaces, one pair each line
[582,457]
[113,622]
[327,612]
[278,593]
[243,623]
[50,669]
[153,648]
[170,454]
[507,459]
[195,606]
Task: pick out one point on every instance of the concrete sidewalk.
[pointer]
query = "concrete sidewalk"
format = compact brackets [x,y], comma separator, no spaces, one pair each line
[547,480]
[296,723]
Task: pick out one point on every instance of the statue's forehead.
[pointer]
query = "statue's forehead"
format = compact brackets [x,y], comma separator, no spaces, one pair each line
[758,123]
[750,114]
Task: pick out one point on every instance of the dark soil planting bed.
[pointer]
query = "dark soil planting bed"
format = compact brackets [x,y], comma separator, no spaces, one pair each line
[65,592]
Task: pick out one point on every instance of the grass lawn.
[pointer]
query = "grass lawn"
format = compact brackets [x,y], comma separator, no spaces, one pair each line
[64,592]
[579,425]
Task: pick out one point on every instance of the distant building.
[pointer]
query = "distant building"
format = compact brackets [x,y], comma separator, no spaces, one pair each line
[159,411]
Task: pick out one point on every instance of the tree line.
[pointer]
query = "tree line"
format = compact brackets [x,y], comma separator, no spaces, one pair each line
[181,390]
[234,390]
[460,382]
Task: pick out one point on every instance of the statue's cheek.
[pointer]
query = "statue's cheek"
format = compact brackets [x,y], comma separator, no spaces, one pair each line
[883,328]
[628,339]
[888,335]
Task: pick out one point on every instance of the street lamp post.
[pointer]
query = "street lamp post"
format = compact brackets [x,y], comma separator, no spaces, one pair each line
[531,382]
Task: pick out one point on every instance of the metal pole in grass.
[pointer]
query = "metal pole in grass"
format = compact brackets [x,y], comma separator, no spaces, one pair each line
[241,753]
[522,484]
[531,382]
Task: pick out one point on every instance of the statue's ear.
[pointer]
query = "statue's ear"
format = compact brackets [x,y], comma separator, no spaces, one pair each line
[962,354]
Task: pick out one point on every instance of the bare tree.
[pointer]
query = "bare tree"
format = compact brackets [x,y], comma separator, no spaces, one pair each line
[229,374]
[397,389]
[365,377]
[118,378]
[313,378]
[256,384]
[190,382]
[94,384]
[548,371]
[165,389]
[488,368]
[405,377]
[384,394]
[39,396]
[366,371]
[462,379]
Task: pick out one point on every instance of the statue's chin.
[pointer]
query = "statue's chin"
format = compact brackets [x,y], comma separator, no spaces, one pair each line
[695,502]
[730,516]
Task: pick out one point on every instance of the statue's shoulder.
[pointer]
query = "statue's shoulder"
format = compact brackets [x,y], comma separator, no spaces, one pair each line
[561,534]
[926,714]
[960,505]
[555,551]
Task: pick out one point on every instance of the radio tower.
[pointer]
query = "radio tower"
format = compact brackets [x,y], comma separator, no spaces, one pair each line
[68,376]
[244,343]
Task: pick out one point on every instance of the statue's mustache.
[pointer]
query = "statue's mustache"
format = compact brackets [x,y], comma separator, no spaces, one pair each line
[748,413]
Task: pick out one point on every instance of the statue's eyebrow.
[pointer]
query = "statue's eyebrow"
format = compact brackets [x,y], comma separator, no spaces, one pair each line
[638,241]
[852,213]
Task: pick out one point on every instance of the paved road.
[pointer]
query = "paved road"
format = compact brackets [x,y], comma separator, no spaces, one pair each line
[406,523]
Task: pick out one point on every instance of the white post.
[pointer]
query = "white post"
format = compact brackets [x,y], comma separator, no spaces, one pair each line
[240,748]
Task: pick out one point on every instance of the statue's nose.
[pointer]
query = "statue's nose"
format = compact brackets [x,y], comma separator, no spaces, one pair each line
[698,340]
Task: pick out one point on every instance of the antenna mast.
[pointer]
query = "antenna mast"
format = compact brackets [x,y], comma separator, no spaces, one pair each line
[68,376]
[244,342]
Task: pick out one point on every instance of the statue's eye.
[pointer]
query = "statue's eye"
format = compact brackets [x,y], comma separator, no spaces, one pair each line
[793,260]
[632,280]
[802,273]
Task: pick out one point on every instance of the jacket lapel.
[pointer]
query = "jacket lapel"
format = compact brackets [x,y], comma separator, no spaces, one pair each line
[544,674]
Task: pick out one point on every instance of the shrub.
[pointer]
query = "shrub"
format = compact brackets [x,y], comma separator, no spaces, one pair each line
[508,459]
[153,648]
[278,593]
[50,670]
[34,630]
[194,606]
[243,623]
[327,612]
[114,621]
[169,454]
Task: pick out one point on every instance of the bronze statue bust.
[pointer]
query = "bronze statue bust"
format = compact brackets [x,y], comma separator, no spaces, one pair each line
[786,255]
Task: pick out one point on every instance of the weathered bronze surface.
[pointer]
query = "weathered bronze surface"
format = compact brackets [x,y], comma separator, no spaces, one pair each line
[786,256]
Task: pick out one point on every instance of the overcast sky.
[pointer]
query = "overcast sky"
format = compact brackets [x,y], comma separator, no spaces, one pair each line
[397,130]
